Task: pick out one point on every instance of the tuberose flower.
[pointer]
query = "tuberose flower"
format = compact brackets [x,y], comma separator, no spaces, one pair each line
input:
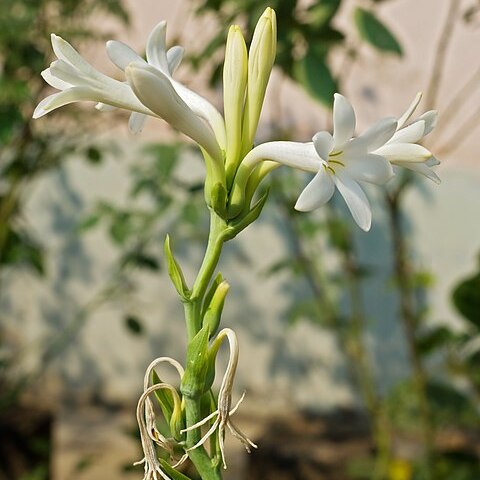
[402,149]
[338,161]
[166,62]
[78,81]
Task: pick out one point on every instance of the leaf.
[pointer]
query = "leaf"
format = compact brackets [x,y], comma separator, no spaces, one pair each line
[374,32]
[434,339]
[321,13]
[175,272]
[88,222]
[313,74]
[134,325]
[94,155]
[174,474]
[466,298]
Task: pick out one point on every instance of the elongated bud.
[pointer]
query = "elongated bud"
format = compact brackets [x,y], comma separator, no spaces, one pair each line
[212,316]
[260,63]
[235,71]
[175,272]
[177,420]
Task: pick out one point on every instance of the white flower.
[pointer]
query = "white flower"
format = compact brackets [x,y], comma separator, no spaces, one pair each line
[185,110]
[79,81]
[224,410]
[166,62]
[338,161]
[402,148]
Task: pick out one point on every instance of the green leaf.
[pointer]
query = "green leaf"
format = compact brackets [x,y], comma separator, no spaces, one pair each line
[313,74]
[321,13]
[174,474]
[374,32]
[164,398]
[134,325]
[175,272]
[466,298]
[434,339]
[94,155]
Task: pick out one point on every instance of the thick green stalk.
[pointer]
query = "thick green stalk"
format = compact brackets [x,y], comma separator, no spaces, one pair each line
[199,457]
[206,468]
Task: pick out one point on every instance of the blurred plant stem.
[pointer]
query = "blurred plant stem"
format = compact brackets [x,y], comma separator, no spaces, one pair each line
[404,279]
[359,359]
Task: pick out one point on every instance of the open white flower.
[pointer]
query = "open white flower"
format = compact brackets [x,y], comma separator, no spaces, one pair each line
[166,61]
[337,161]
[224,411]
[402,149]
[79,81]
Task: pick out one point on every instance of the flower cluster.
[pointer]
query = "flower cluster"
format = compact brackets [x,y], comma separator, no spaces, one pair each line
[234,167]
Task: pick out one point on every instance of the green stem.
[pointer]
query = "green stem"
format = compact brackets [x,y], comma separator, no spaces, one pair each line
[206,468]
[199,456]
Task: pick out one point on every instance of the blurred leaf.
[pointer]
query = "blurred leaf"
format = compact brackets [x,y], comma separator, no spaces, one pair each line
[435,339]
[134,325]
[315,77]
[141,260]
[89,222]
[94,155]
[321,13]
[466,298]
[21,250]
[374,32]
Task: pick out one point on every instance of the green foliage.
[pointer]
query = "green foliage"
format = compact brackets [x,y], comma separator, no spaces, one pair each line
[175,272]
[374,32]
[134,325]
[298,26]
[313,73]
[466,298]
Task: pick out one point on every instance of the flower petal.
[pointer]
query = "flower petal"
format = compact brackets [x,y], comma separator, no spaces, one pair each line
[204,109]
[378,134]
[432,162]
[293,154]
[323,143]
[121,54]
[370,168]
[156,49]
[69,74]
[356,200]
[404,152]
[136,122]
[64,51]
[174,58]
[343,121]
[423,169]
[54,81]
[318,192]
[430,119]
[57,100]
[103,107]
[409,112]
[411,134]
[155,91]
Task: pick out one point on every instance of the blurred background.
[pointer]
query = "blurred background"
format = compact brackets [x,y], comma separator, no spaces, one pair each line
[360,353]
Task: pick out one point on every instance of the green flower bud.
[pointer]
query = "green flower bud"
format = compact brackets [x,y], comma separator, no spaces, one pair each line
[213,313]
[260,63]
[234,85]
